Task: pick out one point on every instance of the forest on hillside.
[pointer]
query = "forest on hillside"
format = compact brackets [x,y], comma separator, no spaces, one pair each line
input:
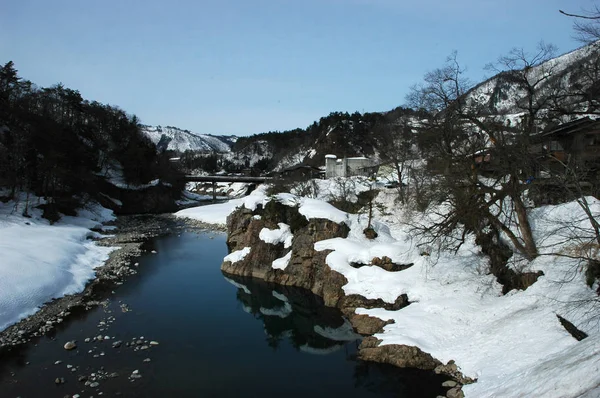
[58,145]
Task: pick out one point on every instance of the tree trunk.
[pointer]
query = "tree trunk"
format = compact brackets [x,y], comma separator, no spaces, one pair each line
[531,251]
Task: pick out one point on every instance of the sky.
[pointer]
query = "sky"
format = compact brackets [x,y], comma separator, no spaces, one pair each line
[244,67]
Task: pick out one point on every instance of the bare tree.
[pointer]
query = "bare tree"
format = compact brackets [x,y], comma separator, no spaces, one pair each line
[587,24]
[461,132]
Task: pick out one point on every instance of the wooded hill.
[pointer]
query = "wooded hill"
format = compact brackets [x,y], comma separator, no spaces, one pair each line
[59,146]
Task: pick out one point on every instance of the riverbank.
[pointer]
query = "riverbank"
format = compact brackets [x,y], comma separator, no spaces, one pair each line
[124,237]
[512,344]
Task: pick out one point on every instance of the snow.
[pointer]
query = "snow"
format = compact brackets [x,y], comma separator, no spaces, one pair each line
[276,236]
[313,208]
[41,262]
[237,255]
[283,262]
[183,140]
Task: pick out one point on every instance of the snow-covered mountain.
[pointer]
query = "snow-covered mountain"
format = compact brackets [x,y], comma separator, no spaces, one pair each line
[502,94]
[175,139]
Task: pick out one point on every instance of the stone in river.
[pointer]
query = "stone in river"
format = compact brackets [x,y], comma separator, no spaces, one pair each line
[70,345]
[449,383]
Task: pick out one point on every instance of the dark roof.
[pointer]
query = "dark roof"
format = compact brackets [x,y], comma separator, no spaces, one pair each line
[583,124]
[301,166]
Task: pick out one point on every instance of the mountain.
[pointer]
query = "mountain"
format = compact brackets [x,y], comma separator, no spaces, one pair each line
[175,139]
[564,80]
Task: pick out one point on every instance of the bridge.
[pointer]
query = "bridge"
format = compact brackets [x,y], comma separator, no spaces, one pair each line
[214,179]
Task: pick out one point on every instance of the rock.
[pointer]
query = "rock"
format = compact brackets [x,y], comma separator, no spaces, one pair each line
[154,343]
[57,362]
[87,340]
[367,325]
[387,264]
[59,380]
[69,366]
[455,392]
[449,383]
[144,347]
[370,233]
[94,384]
[135,374]
[147,360]
[99,337]
[82,378]
[395,354]
[70,345]
[307,267]
[117,344]
[113,375]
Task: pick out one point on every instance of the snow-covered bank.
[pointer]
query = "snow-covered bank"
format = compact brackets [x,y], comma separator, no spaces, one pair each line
[217,214]
[514,344]
[41,262]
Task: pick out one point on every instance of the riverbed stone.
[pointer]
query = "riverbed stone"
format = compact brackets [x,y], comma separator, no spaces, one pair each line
[455,392]
[70,345]
[449,383]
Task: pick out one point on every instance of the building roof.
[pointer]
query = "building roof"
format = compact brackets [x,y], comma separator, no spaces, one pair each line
[583,124]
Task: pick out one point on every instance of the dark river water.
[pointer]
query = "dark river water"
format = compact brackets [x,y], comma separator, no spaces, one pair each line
[218,336]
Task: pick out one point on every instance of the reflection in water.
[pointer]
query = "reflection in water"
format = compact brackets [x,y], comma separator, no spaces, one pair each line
[296,315]
[299,316]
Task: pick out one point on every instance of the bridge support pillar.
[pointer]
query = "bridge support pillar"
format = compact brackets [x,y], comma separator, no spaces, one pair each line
[214,184]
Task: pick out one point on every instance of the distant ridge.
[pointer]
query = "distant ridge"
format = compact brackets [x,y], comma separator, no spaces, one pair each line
[175,139]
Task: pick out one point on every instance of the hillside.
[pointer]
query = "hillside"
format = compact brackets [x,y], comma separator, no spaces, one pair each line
[56,145]
[175,139]
[504,93]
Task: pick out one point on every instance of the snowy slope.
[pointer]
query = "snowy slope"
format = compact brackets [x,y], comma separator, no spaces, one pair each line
[40,261]
[176,139]
[500,96]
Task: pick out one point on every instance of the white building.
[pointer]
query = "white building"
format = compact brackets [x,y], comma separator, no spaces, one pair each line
[346,167]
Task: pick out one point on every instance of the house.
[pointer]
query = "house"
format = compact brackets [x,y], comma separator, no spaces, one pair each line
[347,167]
[300,172]
[572,147]
[577,141]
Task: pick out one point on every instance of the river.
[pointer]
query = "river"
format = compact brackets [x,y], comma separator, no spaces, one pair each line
[217,336]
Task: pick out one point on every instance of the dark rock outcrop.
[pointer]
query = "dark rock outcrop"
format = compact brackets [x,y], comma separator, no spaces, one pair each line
[394,354]
[307,267]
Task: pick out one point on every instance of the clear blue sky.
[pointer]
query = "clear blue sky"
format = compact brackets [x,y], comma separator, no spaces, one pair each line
[243,67]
